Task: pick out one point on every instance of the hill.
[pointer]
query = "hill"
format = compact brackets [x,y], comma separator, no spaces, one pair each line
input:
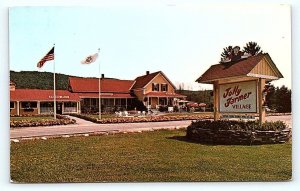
[38,80]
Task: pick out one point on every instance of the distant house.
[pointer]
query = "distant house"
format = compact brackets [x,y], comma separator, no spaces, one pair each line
[12,86]
[155,89]
[82,95]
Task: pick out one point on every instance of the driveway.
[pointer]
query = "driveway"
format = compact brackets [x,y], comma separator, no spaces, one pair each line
[86,127]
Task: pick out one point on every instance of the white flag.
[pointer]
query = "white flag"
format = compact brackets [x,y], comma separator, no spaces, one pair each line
[90,59]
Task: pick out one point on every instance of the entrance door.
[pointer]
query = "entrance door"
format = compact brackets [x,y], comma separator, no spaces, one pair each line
[59,107]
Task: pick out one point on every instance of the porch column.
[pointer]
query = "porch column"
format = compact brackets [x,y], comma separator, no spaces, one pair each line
[62,107]
[18,108]
[126,103]
[147,102]
[39,107]
[261,109]
[78,107]
[216,101]
[90,103]
[114,101]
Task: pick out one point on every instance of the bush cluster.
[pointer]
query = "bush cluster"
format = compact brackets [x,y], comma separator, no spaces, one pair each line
[141,119]
[238,125]
[61,120]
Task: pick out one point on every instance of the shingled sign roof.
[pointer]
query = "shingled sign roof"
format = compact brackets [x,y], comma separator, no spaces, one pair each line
[236,69]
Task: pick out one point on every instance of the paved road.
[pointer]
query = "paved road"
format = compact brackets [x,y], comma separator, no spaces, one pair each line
[83,128]
[86,127]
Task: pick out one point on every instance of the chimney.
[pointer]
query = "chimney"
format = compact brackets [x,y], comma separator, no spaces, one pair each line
[102,75]
[147,72]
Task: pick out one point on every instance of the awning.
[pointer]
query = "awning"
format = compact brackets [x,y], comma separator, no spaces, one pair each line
[105,95]
[164,94]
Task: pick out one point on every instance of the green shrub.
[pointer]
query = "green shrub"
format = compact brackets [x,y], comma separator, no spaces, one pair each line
[61,120]
[238,125]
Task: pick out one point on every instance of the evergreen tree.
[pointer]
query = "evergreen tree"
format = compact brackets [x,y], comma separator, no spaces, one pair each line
[226,52]
[279,99]
[284,104]
[252,48]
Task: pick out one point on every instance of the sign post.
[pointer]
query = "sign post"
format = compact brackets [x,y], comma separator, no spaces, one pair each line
[216,101]
[261,109]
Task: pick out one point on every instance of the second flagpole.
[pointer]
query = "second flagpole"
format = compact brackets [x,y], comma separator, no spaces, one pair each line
[99,84]
[54,86]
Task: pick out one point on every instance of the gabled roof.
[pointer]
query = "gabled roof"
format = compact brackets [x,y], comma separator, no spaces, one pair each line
[86,85]
[142,81]
[42,95]
[235,69]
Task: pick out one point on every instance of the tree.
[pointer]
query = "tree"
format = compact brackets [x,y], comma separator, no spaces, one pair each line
[226,52]
[252,48]
[283,96]
[279,99]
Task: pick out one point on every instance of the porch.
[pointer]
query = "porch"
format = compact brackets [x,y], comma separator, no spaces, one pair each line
[154,100]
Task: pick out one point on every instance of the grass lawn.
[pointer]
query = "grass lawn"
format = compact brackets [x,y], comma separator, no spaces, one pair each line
[31,118]
[149,156]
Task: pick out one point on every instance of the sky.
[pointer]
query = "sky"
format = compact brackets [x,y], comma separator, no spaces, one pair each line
[182,40]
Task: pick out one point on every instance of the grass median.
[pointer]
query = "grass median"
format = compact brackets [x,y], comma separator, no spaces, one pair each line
[150,156]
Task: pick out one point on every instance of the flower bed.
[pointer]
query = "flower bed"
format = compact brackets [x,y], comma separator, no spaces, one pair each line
[142,119]
[238,132]
[61,120]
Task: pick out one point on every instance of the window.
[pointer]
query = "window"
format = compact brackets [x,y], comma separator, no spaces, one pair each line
[46,104]
[70,104]
[70,107]
[155,87]
[12,105]
[164,87]
[29,105]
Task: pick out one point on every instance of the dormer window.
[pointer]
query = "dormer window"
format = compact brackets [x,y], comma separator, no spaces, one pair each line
[155,87]
[164,87]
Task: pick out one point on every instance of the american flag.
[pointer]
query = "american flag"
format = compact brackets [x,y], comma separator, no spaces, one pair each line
[49,56]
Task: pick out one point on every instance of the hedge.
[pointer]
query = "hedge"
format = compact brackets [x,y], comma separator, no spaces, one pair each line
[160,118]
[61,120]
[238,132]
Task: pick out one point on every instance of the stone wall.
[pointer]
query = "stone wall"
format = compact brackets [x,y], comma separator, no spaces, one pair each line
[237,137]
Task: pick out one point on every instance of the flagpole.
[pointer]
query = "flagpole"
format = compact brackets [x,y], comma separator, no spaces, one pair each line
[99,84]
[54,87]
